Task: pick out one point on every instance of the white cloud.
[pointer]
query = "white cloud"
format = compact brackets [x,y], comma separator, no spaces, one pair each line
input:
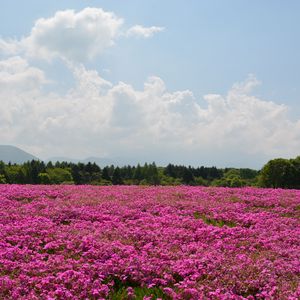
[10,46]
[96,117]
[73,36]
[17,75]
[145,32]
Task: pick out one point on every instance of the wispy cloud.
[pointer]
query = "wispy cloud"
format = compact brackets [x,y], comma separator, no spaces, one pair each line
[144,32]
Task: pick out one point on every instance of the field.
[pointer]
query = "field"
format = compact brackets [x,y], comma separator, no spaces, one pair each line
[129,242]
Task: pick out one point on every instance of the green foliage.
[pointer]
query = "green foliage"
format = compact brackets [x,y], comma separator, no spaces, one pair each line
[44,178]
[105,174]
[36,172]
[170,171]
[59,175]
[2,179]
[229,182]
[116,177]
[104,182]
[128,182]
[214,222]
[32,169]
[84,174]
[247,173]
[15,174]
[138,174]
[197,215]
[295,180]
[120,290]
[200,181]
[232,173]
[231,178]
[2,167]
[140,293]
[151,174]
[68,182]
[166,180]
[187,176]
[144,182]
[277,173]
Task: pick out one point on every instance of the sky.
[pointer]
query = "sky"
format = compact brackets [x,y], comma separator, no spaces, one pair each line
[187,82]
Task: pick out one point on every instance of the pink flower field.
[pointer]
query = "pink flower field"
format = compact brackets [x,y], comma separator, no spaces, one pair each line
[129,242]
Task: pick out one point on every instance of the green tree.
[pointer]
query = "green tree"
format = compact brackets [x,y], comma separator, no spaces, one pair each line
[59,175]
[116,177]
[152,174]
[2,179]
[105,174]
[44,178]
[277,173]
[76,174]
[295,180]
[15,174]
[200,181]
[138,175]
[2,167]
[170,171]
[187,176]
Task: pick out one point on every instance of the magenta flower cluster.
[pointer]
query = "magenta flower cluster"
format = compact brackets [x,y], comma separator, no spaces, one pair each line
[85,242]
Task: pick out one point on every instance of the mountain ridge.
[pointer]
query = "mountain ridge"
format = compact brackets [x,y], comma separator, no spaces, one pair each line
[15,155]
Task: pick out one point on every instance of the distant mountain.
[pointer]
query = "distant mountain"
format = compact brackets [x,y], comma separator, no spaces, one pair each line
[14,155]
[102,162]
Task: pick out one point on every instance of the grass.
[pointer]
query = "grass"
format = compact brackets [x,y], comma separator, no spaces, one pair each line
[140,293]
[120,287]
[212,221]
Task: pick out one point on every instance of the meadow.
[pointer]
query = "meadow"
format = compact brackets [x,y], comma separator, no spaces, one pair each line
[133,242]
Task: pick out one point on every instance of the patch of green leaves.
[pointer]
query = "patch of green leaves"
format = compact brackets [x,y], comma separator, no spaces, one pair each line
[214,222]
[140,293]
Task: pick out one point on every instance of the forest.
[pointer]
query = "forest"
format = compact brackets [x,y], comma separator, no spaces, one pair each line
[277,173]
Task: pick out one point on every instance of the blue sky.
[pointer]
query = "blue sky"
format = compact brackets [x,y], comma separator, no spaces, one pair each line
[204,47]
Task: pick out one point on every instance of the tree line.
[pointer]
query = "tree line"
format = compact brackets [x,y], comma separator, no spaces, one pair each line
[38,172]
[277,173]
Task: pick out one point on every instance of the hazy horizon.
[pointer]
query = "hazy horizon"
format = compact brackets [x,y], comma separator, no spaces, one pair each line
[200,83]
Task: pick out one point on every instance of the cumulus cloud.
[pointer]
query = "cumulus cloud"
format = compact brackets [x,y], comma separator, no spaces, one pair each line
[73,36]
[10,46]
[96,117]
[145,32]
[17,75]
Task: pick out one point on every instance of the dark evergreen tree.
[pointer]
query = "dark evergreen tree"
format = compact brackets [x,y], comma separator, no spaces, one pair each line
[76,174]
[152,176]
[138,175]
[116,177]
[169,171]
[105,174]
[187,176]
[2,167]
[49,165]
